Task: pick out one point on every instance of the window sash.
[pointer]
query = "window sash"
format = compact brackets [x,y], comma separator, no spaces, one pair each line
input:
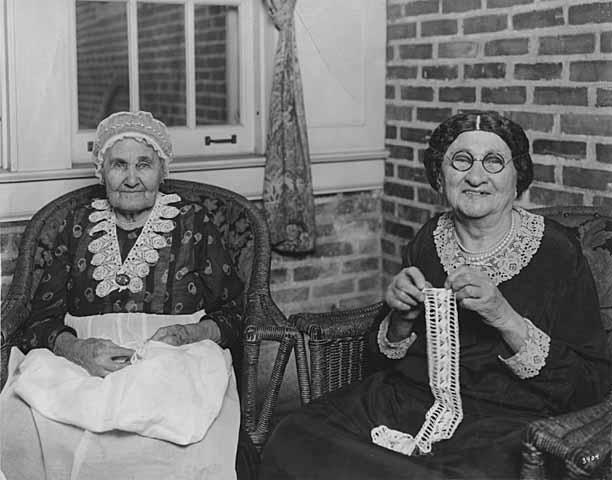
[188,141]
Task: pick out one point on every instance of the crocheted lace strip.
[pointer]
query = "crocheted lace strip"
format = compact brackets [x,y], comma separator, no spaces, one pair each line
[446,413]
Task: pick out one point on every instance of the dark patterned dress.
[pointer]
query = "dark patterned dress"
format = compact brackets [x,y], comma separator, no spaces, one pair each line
[555,290]
[194,272]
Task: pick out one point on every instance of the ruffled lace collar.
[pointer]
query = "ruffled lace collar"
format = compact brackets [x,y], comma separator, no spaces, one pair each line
[111,273]
[506,263]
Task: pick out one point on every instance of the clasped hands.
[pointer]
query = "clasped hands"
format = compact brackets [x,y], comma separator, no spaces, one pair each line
[473,290]
[101,357]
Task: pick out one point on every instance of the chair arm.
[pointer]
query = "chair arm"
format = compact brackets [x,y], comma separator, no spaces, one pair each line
[338,345]
[338,324]
[14,313]
[261,311]
[582,439]
[265,322]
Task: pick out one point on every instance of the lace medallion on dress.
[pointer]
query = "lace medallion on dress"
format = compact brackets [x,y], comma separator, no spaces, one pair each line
[502,262]
[110,272]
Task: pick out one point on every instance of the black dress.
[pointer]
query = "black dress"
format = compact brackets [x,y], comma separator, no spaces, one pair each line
[330,439]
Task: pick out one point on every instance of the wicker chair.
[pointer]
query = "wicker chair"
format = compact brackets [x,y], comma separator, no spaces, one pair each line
[579,442]
[246,236]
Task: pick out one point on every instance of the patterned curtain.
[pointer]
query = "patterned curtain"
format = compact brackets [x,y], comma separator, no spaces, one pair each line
[287,194]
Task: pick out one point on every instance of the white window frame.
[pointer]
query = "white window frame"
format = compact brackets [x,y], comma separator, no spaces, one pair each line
[37,119]
[42,117]
[187,141]
[4,134]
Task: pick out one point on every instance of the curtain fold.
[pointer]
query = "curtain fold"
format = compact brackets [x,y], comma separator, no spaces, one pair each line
[287,194]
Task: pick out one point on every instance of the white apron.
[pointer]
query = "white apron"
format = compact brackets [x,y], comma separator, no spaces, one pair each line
[36,445]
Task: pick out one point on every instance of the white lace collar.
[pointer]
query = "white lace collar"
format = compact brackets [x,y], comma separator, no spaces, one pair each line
[506,263]
[109,271]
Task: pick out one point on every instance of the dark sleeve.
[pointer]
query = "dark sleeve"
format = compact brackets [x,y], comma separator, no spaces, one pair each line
[223,288]
[50,301]
[577,370]
[379,360]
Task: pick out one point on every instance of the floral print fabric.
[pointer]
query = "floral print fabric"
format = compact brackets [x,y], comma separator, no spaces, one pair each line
[287,193]
[194,271]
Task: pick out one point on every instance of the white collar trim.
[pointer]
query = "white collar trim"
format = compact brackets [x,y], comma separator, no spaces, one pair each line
[110,272]
[506,263]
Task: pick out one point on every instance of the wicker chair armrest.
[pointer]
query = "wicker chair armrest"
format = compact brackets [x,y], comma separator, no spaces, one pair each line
[258,421]
[14,313]
[582,439]
[262,311]
[338,324]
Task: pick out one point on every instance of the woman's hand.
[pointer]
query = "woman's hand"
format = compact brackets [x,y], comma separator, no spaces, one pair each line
[405,292]
[475,291]
[96,355]
[405,296]
[192,332]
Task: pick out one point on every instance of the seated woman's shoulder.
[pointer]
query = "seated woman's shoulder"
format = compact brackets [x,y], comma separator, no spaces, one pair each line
[191,207]
[431,224]
[561,241]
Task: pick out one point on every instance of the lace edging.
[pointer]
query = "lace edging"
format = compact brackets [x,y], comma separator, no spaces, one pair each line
[395,440]
[502,266]
[445,415]
[393,350]
[110,272]
[531,357]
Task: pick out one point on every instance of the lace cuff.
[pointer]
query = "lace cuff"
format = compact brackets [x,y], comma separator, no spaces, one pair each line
[531,357]
[393,350]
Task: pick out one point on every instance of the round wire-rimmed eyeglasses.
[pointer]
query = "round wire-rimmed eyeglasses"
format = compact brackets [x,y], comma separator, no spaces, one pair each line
[491,162]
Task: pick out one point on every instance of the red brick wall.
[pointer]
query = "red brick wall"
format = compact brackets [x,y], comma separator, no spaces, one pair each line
[545,64]
[344,270]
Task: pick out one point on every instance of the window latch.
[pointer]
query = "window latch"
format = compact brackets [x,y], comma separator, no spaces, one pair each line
[208,140]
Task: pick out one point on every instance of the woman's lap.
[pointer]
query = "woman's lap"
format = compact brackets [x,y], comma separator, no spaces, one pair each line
[33,446]
[331,439]
[21,453]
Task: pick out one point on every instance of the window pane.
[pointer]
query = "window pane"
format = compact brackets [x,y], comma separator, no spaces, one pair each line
[161,61]
[216,65]
[102,61]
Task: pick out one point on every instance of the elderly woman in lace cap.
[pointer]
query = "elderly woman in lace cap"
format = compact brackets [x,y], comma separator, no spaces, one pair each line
[512,332]
[135,266]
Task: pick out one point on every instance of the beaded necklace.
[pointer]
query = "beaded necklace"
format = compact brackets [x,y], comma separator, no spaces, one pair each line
[478,257]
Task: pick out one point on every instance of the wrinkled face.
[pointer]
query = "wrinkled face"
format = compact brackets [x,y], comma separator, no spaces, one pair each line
[132,173]
[476,193]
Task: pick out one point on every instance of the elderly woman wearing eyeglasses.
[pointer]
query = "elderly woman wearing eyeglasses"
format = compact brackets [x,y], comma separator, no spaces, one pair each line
[510,333]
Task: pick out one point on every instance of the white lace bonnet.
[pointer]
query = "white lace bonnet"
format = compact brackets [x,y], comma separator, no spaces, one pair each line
[141,126]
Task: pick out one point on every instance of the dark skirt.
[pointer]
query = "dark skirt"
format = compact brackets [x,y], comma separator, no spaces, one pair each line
[247,457]
[330,439]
